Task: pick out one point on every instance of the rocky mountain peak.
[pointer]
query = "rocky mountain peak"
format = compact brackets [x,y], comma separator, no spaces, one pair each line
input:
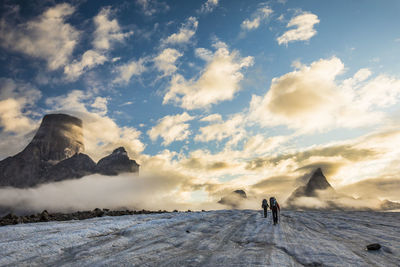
[58,137]
[117,162]
[54,154]
[317,181]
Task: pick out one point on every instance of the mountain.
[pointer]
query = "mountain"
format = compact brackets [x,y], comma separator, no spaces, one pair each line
[234,198]
[56,153]
[117,162]
[317,181]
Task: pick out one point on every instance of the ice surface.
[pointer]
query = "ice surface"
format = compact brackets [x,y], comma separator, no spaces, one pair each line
[214,238]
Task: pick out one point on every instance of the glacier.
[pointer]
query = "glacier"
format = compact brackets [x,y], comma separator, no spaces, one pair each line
[210,238]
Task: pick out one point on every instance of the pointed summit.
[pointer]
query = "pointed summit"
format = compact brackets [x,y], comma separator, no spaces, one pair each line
[317,182]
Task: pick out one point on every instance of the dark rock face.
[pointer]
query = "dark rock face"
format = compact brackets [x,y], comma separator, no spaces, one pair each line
[58,137]
[233,199]
[317,182]
[117,162]
[76,166]
[54,154]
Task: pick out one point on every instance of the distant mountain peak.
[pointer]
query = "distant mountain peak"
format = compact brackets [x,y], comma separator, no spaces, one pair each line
[317,181]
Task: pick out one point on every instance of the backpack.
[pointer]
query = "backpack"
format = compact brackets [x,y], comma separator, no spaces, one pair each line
[272,202]
[265,203]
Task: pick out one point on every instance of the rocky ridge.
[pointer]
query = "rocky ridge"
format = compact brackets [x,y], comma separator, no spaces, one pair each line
[56,153]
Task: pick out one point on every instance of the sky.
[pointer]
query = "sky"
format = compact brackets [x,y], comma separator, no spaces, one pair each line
[214,95]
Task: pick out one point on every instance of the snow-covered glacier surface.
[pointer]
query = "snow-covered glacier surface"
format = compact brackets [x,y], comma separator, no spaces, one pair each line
[213,238]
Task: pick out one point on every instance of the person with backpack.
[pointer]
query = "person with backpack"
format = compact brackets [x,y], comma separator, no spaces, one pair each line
[265,206]
[275,209]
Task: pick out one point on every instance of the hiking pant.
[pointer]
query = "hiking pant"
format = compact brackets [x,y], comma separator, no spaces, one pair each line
[265,212]
[275,214]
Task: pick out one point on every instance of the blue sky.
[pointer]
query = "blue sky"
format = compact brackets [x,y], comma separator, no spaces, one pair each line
[211,89]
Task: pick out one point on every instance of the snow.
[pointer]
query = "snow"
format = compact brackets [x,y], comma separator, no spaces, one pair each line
[213,238]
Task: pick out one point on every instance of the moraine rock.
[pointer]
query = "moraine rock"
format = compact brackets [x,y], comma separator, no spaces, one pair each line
[117,162]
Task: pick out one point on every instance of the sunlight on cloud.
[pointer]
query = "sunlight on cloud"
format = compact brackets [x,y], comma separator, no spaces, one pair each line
[304,28]
[89,60]
[47,37]
[219,81]
[101,134]
[126,71]
[219,131]
[261,14]
[107,31]
[171,128]
[310,99]
[165,61]
[186,32]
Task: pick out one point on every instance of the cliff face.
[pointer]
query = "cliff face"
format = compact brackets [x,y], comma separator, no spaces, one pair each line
[55,154]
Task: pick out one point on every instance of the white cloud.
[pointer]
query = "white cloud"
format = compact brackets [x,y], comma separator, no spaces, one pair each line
[221,130]
[186,32]
[89,60]
[107,31]
[304,28]
[311,99]
[203,53]
[212,117]
[165,61]
[209,6]
[47,37]
[218,81]
[129,69]
[15,98]
[101,134]
[171,128]
[261,14]
[17,107]
[151,7]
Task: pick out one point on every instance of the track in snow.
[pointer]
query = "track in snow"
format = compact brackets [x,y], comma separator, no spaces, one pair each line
[215,238]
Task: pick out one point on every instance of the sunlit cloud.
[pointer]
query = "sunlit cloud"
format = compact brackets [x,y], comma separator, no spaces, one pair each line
[47,37]
[185,33]
[303,31]
[171,128]
[311,99]
[107,30]
[260,15]
[126,71]
[219,81]
[165,61]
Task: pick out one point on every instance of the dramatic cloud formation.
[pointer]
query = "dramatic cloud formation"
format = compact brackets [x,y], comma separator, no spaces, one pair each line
[219,81]
[261,14]
[171,128]
[101,134]
[310,99]
[304,28]
[186,32]
[47,37]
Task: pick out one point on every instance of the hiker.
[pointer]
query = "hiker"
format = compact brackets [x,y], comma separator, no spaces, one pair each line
[275,209]
[265,207]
